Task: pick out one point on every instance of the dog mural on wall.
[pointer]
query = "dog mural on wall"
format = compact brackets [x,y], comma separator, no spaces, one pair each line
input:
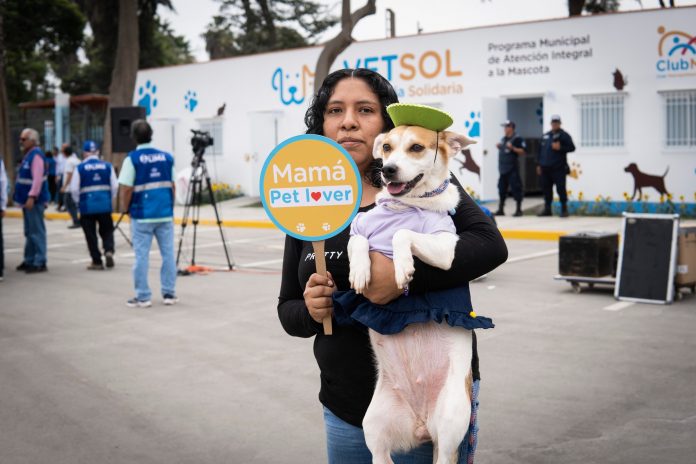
[292,88]
[641,179]
[469,164]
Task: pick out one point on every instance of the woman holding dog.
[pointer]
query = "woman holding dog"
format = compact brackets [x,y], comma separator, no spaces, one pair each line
[350,108]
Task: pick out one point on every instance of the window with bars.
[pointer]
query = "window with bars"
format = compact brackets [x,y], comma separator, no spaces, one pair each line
[214,127]
[601,120]
[680,118]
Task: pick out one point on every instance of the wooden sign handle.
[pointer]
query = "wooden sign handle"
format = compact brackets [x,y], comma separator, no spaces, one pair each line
[320,262]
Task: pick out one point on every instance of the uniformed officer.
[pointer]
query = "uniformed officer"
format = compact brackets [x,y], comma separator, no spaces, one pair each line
[510,148]
[147,193]
[553,165]
[93,186]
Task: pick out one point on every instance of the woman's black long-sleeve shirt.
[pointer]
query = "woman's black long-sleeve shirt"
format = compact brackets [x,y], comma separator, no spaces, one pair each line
[345,359]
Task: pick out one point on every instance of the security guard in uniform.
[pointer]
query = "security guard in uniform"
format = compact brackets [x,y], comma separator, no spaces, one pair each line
[93,186]
[553,165]
[510,148]
[147,193]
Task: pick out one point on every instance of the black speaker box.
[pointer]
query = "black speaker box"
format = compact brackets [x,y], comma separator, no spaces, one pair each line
[588,254]
[121,120]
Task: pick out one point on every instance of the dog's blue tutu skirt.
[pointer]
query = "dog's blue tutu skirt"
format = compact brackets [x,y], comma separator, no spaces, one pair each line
[452,305]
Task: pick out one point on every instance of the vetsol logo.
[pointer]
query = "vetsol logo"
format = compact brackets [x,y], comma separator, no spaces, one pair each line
[293,86]
[677,53]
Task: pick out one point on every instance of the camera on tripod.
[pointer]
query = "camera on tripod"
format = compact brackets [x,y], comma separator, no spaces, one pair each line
[199,142]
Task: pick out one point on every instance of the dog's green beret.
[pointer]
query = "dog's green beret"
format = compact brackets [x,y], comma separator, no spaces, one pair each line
[410,114]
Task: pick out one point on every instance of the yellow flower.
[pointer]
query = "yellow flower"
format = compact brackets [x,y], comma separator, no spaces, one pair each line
[472,314]
[681,197]
[662,198]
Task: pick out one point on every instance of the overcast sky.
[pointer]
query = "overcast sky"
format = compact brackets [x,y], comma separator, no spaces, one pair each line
[192,16]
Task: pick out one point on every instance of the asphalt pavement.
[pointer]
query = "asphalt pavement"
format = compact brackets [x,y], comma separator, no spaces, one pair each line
[566,377]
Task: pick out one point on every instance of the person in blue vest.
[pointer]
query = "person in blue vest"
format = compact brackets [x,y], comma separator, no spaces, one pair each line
[553,165]
[147,193]
[510,148]
[31,193]
[93,187]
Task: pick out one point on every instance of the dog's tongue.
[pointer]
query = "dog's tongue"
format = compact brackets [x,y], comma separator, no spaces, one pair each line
[395,187]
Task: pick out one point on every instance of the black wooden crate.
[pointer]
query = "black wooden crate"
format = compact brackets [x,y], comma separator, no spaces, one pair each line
[588,254]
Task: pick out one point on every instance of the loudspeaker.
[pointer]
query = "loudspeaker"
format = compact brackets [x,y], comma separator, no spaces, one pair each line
[121,120]
[588,254]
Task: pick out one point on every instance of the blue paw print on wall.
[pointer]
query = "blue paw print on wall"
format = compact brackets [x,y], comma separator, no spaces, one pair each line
[474,124]
[191,99]
[146,94]
[540,112]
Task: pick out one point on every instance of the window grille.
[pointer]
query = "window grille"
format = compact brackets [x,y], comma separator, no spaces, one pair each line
[680,119]
[601,120]
[214,127]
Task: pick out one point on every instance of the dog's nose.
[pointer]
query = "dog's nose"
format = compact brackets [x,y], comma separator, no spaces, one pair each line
[389,171]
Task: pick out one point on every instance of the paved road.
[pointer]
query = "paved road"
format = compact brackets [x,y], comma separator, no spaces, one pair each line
[567,378]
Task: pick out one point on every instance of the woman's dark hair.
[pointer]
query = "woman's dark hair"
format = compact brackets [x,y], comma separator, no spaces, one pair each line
[314,117]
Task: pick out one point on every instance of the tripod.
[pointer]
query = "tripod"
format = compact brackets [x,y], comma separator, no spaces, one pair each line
[116,227]
[193,201]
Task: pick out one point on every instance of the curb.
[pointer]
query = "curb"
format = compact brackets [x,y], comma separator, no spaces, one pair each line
[508,234]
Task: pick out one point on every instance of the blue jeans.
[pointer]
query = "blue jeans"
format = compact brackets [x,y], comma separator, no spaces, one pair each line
[345,443]
[142,241]
[35,235]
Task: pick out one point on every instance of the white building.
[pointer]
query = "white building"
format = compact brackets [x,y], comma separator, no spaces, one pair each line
[482,76]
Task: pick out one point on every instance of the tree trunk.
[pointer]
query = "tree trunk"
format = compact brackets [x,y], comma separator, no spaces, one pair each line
[575,7]
[5,134]
[125,71]
[343,39]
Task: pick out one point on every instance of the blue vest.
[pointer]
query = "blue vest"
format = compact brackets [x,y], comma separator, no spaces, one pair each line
[152,191]
[95,186]
[24,179]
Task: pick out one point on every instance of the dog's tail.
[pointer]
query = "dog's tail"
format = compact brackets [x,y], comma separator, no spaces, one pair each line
[663,175]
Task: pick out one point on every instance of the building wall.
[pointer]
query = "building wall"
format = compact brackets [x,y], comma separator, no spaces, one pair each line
[462,72]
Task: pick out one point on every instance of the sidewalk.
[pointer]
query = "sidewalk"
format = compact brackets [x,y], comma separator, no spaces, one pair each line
[247,212]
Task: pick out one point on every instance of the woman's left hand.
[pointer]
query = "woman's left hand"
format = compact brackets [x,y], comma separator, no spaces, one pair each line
[382,288]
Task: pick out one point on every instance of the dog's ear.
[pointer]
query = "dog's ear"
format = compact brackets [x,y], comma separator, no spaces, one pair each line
[456,141]
[377,147]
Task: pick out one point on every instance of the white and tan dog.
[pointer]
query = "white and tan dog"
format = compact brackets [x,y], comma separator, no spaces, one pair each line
[424,372]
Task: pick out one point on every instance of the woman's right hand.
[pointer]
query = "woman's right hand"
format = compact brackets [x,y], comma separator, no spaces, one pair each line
[317,296]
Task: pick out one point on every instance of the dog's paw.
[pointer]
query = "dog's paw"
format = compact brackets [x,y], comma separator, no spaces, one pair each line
[359,275]
[403,270]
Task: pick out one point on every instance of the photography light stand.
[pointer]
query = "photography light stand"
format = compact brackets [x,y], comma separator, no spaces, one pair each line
[192,207]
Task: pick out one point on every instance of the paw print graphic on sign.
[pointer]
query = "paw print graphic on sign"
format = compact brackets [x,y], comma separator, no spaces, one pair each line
[473,124]
[575,170]
[191,100]
[146,97]
[300,227]
[326,226]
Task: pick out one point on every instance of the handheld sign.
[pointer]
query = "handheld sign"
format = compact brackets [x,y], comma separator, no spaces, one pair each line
[311,190]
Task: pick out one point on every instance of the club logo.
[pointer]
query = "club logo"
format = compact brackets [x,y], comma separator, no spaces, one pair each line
[677,53]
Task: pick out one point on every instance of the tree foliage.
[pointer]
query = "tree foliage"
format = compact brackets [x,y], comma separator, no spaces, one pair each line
[159,45]
[252,26]
[37,43]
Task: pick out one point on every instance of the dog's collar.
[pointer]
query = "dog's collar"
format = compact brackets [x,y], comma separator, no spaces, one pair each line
[437,191]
